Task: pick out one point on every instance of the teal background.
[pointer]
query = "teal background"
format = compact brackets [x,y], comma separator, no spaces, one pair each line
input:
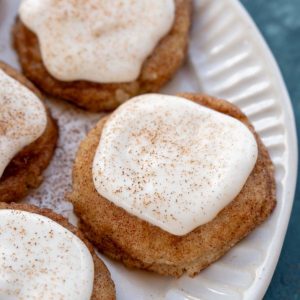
[279,22]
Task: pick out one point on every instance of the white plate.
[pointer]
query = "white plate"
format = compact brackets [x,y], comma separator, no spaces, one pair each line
[228,58]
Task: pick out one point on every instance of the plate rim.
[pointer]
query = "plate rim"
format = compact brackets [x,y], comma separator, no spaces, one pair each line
[260,286]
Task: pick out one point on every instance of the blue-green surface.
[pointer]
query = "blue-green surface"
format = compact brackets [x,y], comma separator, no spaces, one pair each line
[279,22]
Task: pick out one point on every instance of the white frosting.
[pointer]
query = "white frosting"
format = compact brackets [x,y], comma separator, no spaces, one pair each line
[23,118]
[172,162]
[97,40]
[40,259]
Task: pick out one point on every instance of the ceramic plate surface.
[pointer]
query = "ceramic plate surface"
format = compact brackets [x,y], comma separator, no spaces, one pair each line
[227,58]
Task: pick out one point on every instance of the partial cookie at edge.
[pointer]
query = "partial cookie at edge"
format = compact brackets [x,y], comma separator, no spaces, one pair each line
[103,285]
[25,170]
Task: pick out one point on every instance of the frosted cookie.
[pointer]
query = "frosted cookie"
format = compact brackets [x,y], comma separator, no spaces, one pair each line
[28,135]
[45,257]
[116,51]
[169,184]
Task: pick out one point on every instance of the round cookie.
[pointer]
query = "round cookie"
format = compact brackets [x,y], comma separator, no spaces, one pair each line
[156,71]
[103,285]
[139,244]
[24,172]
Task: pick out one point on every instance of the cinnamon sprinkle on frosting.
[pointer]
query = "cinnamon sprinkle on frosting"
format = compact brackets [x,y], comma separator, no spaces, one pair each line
[172,162]
[23,118]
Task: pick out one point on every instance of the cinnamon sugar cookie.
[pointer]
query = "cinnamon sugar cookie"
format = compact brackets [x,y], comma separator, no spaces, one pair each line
[28,135]
[137,49]
[179,197]
[49,259]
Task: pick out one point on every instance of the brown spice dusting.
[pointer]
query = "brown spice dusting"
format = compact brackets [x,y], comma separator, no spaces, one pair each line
[165,159]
